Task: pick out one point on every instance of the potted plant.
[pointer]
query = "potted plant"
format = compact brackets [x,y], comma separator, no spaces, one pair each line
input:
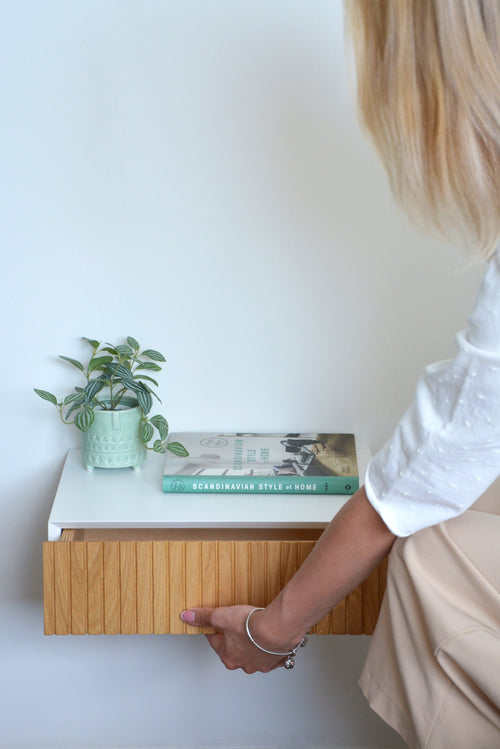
[112,405]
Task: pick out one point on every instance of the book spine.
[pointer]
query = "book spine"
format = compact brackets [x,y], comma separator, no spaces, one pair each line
[261,485]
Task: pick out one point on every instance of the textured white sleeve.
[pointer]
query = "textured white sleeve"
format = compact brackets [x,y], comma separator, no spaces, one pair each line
[445,451]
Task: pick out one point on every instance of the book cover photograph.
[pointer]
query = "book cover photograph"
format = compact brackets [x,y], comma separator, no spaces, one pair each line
[263,463]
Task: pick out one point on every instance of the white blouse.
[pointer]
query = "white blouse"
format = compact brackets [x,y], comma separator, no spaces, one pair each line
[445,451]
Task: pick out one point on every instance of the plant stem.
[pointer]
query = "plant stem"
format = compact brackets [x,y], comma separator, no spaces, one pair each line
[60,408]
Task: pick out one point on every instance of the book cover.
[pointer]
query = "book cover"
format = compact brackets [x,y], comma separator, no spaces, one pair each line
[235,463]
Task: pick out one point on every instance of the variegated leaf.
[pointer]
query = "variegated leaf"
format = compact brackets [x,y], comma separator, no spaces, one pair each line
[145,400]
[84,419]
[152,354]
[74,362]
[46,396]
[95,344]
[132,343]
[100,362]
[146,432]
[149,365]
[161,424]
[177,449]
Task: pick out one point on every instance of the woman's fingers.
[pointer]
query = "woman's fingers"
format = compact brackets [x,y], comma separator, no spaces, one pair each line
[198,617]
[231,642]
[231,618]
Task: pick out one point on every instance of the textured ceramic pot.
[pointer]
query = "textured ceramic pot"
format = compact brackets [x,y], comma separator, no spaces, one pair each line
[112,441]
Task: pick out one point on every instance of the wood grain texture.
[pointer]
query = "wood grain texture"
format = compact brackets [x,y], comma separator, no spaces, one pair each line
[144,579]
[62,588]
[78,588]
[225,571]
[177,583]
[193,572]
[241,586]
[49,597]
[209,574]
[258,573]
[161,589]
[111,582]
[273,578]
[95,582]
[289,562]
[129,587]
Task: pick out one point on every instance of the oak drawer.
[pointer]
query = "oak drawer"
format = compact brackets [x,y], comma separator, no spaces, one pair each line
[124,581]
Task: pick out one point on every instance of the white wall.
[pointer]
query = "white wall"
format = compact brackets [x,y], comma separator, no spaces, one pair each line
[191,173]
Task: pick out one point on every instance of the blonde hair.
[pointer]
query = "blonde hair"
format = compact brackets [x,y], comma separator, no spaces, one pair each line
[429,96]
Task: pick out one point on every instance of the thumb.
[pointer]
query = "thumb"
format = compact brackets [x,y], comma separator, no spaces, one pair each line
[198,617]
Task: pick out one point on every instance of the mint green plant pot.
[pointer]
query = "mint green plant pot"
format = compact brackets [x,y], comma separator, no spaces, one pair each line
[112,440]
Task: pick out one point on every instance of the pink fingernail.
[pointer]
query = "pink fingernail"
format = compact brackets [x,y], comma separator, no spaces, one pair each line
[188,617]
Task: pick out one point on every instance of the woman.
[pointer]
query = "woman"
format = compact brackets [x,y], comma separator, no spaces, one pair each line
[429,95]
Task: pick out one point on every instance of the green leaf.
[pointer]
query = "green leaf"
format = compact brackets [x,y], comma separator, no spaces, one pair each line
[110,368]
[92,388]
[110,349]
[145,400]
[124,351]
[145,377]
[159,447]
[77,397]
[100,362]
[74,362]
[135,387]
[177,449]
[161,424]
[149,365]
[146,387]
[95,344]
[152,354]
[132,343]
[146,432]
[73,408]
[122,373]
[46,396]
[84,419]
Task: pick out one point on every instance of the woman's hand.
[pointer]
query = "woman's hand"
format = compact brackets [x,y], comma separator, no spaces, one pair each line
[231,642]
[349,549]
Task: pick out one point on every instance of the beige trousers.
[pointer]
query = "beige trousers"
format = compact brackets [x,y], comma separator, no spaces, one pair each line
[433,668]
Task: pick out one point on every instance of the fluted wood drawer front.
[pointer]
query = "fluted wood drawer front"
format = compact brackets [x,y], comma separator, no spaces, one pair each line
[103,586]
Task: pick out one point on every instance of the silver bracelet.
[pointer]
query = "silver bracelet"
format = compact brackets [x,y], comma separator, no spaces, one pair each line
[290,656]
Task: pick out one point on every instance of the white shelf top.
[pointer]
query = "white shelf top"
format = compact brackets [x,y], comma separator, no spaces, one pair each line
[123,498]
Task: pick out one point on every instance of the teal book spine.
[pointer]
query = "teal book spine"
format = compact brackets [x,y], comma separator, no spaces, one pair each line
[261,484]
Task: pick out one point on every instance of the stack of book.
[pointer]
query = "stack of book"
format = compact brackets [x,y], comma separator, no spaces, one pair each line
[263,464]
